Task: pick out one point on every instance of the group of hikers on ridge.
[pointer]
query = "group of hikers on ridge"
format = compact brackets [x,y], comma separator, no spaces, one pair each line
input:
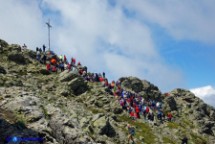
[135,105]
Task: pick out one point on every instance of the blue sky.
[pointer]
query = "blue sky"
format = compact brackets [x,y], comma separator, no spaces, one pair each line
[169,43]
[196,59]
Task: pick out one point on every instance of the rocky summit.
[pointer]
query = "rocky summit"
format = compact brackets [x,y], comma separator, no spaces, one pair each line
[66,107]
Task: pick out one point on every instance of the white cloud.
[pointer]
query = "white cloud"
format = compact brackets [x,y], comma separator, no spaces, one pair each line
[22,22]
[183,19]
[99,35]
[206,93]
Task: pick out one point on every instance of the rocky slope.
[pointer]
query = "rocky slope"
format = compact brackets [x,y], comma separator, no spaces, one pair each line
[64,109]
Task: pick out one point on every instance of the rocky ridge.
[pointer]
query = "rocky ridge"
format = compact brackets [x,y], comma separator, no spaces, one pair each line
[64,109]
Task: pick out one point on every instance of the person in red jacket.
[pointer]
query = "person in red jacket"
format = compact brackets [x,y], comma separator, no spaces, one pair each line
[137,111]
[48,67]
[169,116]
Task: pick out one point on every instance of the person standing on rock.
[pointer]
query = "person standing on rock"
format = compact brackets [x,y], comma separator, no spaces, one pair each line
[40,50]
[131,133]
[44,48]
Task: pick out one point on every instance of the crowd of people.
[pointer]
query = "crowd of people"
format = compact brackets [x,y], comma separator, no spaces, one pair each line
[135,105]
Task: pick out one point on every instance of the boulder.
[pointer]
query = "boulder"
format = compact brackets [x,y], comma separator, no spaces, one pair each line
[3,43]
[116,108]
[67,76]
[31,54]
[132,83]
[207,128]
[2,70]
[170,103]
[103,127]
[13,82]
[17,58]
[212,115]
[77,85]
[136,85]
[44,72]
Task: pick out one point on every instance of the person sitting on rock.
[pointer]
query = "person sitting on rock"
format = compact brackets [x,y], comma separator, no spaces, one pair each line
[131,133]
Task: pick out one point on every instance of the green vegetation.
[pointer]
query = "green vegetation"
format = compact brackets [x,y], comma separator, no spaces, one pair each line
[95,111]
[167,140]
[198,139]
[20,120]
[188,123]
[142,129]
[173,125]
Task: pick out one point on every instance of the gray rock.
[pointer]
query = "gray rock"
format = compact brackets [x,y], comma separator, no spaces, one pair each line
[3,43]
[207,127]
[116,108]
[17,58]
[44,72]
[78,85]
[103,127]
[67,76]
[170,103]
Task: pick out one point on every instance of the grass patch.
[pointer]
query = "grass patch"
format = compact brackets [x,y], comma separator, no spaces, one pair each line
[95,111]
[188,123]
[198,139]
[141,129]
[21,121]
[167,140]
[173,125]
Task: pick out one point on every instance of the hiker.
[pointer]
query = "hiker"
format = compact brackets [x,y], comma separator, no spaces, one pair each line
[61,58]
[38,55]
[169,116]
[73,61]
[44,48]
[85,68]
[79,65]
[103,74]
[48,66]
[184,140]
[158,105]
[40,50]
[160,116]
[145,111]
[137,110]
[151,116]
[131,133]
[24,46]
[54,69]
[61,66]
[65,59]
[53,61]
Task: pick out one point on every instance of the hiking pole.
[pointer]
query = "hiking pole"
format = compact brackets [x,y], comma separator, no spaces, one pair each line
[49,26]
